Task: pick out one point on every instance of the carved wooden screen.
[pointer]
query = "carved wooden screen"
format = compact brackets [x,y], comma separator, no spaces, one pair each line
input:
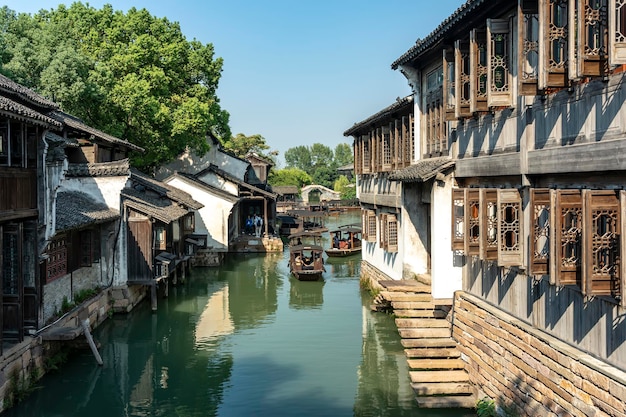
[617,32]
[528,46]
[602,220]
[384,237]
[499,60]
[510,215]
[540,232]
[472,222]
[462,78]
[458,219]
[449,99]
[592,54]
[367,154]
[568,237]
[391,227]
[553,16]
[387,148]
[489,224]
[479,69]
[371,226]
[407,142]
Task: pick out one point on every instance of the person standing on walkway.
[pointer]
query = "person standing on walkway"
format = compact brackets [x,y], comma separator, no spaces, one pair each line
[258,224]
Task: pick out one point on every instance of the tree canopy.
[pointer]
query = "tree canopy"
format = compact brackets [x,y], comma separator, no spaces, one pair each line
[289,176]
[131,75]
[320,161]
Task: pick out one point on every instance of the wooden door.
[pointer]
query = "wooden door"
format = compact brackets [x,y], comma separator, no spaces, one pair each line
[139,248]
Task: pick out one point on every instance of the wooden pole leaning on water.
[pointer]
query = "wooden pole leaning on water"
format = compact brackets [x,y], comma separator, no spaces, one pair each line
[92,345]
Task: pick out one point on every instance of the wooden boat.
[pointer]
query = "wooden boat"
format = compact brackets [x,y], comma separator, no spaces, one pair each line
[288,225]
[311,220]
[345,241]
[306,261]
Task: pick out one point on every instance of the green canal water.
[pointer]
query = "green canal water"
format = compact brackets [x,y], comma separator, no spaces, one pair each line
[242,340]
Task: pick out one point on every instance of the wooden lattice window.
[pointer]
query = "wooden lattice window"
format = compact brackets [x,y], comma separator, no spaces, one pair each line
[617,32]
[553,15]
[369,225]
[472,222]
[499,59]
[462,80]
[593,39]
[407,136]
[434,123]
[449,89]
[392,233]
[540,242]
[489,224]
[510,215]
[367,155]
[387,148]
[529,47]
[479,70]
[56,264]
[568,236]
[602,244]
[458,219]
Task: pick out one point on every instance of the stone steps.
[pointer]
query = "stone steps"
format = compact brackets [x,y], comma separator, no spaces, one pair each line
[437,372]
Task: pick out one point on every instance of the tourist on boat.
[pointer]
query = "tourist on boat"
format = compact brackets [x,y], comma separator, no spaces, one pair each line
[336,240]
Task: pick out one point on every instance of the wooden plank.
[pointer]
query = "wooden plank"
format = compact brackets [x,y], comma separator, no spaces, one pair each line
[422,323]
[432,353]
[439,376]
[441,342]
[406,285]
[413,305]
[421,313]
[420,333]
[442,388]
[405,296]
[432,364]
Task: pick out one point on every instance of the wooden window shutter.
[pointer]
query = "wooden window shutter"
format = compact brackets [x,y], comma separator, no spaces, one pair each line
[622,297]
[458,219]
[568,237]
[462,78]
[554,49]
[364,228]
[371,226]
[540,232]
[592,38]
[472,222]
[479,67]
[528,47]
[367,154]
[392,233]
[382,243]
[499,79]
[387,148]
[510,216]
[449,100]
[617,32]
[489,224]
[601,243]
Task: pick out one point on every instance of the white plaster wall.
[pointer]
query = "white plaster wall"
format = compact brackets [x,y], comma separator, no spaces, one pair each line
[414,229]
[101,189]
[446,267]
[212,219]
[389,263]
[190,163]
[216,181]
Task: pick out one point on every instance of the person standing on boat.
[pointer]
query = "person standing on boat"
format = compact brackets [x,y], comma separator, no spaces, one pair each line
[336,241]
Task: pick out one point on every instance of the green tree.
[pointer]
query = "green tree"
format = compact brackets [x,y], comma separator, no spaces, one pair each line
[345,187]
[322,157]
[130,74]
[343,155]
[289,176]
[241,144]
[299,157]
[325,175]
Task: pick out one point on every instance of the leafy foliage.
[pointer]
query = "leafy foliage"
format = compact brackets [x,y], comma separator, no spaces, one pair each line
[344,186]
[319,161]
[486,407]
[289,176]
[241,145]
[132,75]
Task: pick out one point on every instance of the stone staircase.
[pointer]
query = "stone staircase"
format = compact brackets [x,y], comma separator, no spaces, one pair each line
[437,372]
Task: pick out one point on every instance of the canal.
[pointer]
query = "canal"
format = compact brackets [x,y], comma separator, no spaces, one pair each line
[242,340]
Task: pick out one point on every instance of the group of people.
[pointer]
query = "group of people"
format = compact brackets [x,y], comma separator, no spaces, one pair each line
[254,225]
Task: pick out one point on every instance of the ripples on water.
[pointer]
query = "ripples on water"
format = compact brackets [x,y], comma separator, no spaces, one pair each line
[243,340]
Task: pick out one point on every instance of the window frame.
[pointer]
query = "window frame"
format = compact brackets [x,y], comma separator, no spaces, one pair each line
[462,83]
[528,43]
[510,255]
[478,70]
[617,40]
[553,75]
[488,224]
[499,96]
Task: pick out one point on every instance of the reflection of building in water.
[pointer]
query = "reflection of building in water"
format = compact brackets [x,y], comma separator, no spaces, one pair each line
[215,320]
[142,394]
[345,268]
[383,373]
[306,295]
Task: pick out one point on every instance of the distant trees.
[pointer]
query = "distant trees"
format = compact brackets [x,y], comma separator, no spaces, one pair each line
[289,176]
[241,145]
[319,161]
[131,75]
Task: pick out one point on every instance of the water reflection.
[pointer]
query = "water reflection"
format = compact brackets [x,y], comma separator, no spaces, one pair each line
[245,339]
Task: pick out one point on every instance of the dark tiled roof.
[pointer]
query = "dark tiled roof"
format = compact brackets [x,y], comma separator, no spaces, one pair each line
[101,169]
[258,157]
[7,85]
[191,179]
[75,209]
[161,208]
[436,35]
[229,177]
[165,190]
[381,115]
[53,137]
[286,189]
[423,170]
[77,124]
[16,110]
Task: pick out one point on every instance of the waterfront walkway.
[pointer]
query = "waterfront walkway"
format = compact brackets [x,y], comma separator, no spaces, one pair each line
[438,375]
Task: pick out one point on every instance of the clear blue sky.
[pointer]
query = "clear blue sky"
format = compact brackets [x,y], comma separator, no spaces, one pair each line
[297,72]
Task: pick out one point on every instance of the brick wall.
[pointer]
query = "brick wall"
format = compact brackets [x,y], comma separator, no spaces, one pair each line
[530,372]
